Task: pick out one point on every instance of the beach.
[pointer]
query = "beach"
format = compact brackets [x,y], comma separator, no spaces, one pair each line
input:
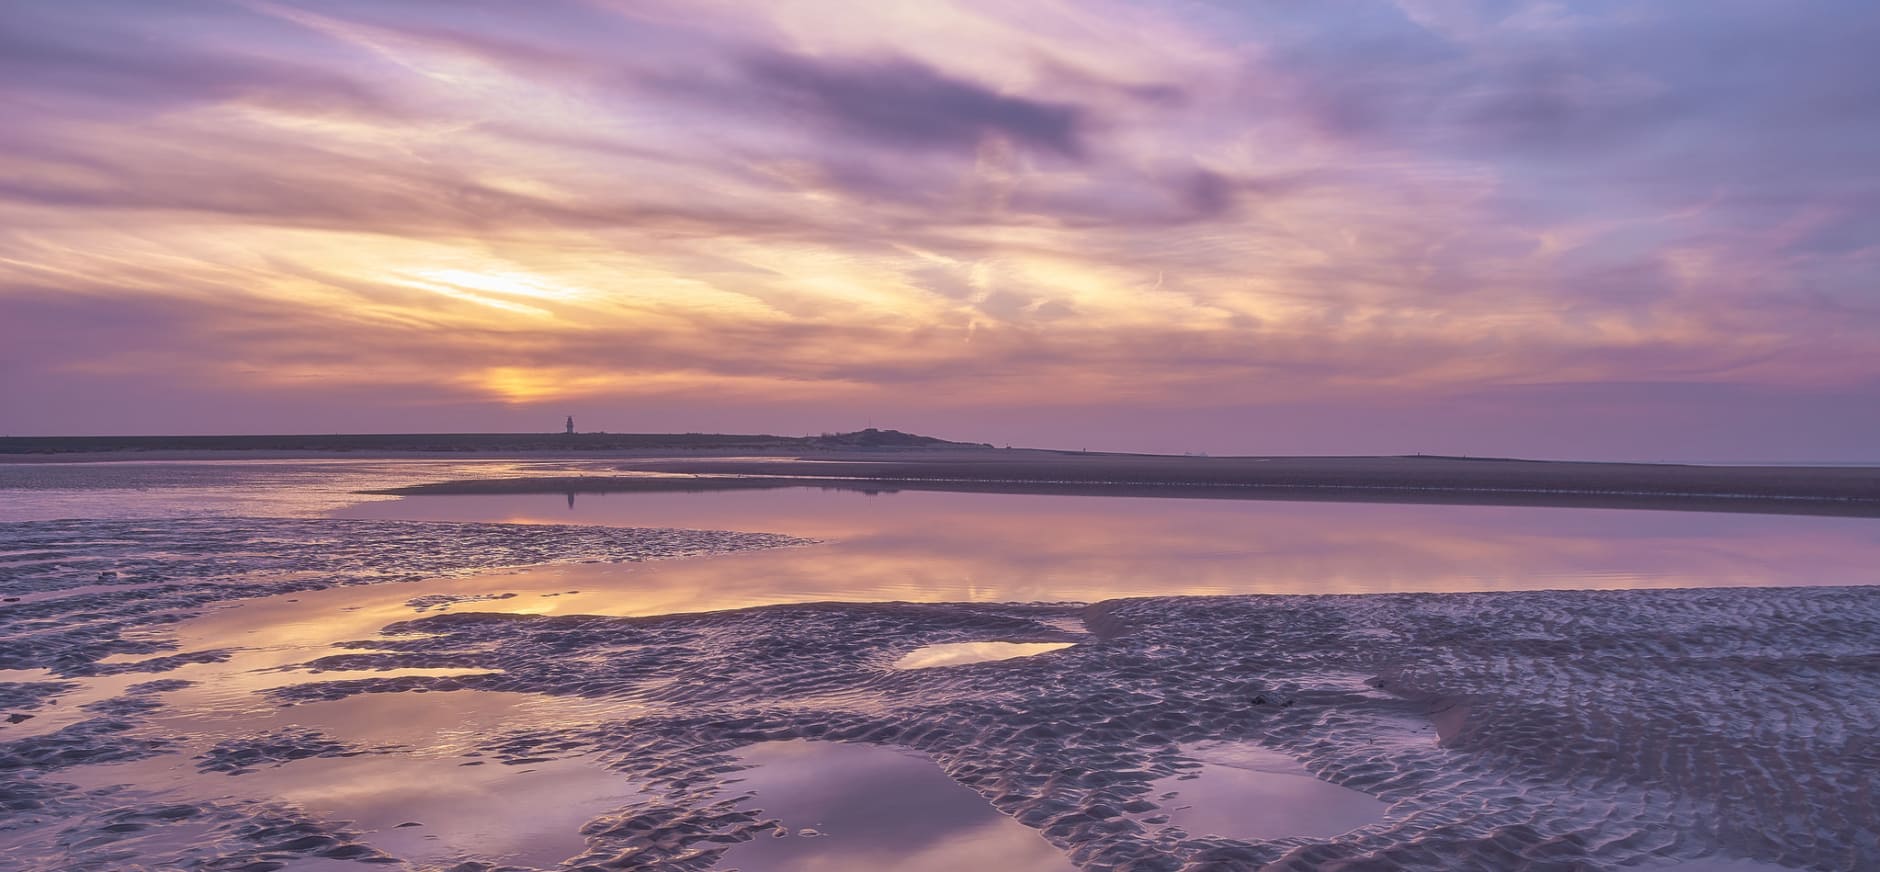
[943,436]
[478,685]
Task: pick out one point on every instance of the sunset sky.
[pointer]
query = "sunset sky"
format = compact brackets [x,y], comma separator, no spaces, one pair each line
[1642,230]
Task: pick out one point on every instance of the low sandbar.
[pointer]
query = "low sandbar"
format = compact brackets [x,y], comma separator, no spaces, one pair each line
[1845,491]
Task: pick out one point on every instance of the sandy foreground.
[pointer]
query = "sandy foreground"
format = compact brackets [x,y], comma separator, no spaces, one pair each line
[205,693]
[1848,491]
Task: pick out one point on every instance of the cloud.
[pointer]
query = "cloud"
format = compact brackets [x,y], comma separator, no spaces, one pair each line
[109,62]
[905,104]
[989,205]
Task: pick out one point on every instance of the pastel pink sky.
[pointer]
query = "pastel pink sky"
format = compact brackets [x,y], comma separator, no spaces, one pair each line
[1563,229]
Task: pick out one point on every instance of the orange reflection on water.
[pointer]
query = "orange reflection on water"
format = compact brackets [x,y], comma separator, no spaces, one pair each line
[932,546]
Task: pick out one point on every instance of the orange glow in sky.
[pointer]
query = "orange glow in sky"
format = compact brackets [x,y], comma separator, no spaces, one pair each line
[1472,227]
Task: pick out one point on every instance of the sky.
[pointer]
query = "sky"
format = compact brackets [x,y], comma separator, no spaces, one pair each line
[1604,229]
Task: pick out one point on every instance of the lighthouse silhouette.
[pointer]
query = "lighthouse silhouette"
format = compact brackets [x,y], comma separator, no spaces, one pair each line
[570,430]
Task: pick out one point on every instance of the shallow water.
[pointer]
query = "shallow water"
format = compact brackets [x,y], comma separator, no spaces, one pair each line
[1244,791]
[149,731]
[271,488]
[947,547]
[936,546]
[962,653]
[1716,864]
[514,730]
[860,808]
[433,811]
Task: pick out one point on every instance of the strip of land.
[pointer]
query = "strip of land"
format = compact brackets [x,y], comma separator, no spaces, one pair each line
[27,448]
[1761,489]
[887,460]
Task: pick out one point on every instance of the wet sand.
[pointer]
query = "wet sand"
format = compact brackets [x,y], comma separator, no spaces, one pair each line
[1492,731]
[300,694]
[1845,491]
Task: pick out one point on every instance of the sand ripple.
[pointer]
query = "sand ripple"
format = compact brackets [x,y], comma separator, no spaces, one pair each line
[1505,731]
[1544,730]
[73,589]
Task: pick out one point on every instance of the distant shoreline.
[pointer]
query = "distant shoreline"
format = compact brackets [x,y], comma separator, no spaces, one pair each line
[1842,491]
[458,444]
[887,460]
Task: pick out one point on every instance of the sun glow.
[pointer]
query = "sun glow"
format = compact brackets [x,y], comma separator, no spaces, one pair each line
[519,284]
[972,203]
[520,385]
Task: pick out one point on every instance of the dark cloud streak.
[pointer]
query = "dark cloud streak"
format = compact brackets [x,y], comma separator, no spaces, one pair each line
[127,70]
[903,103]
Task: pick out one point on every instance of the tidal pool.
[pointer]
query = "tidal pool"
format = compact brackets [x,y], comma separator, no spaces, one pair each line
[433,758]
[962,653]
[1244,791]
[861,808]
[433,811]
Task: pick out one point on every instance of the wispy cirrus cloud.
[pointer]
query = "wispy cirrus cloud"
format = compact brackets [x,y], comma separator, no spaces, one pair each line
[993,207]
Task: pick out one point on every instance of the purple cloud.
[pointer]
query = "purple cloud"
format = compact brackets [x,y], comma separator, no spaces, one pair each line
[1398,208]
[902,103]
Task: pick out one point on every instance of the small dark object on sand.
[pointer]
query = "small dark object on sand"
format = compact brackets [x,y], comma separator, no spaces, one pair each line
[17,718]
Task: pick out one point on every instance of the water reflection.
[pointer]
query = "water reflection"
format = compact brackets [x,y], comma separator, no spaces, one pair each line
[961,653]
[306,487]
[871,807]
[1244,791]
[432,811]
[936,546]
[861,808]
[1718,864]
[525,815]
